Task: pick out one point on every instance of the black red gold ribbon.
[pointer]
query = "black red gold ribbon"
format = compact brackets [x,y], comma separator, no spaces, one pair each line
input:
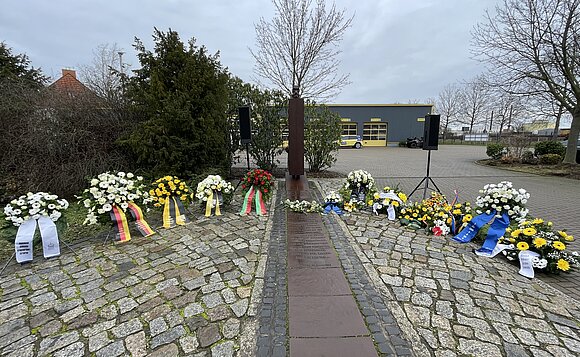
[174,213]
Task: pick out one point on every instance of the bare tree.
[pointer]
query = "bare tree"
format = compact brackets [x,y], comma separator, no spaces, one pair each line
[448,104]
[507,110]
[103,75]
[299,48]
[533,47]
[546,107]
[474,101]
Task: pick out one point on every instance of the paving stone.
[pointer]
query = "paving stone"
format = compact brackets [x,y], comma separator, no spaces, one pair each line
[114,349]
[513,350]
[126,304]
[10,326]
[14,336]
[51,344]
[221,312]
[208,335]
[231,328]
[239,308]
[478,348]
[77,349]
[193,309]
[136,344]
[164,351]
[212,300]
[225,349]
[167,336]
[188,343]
[98,341]
[127,328]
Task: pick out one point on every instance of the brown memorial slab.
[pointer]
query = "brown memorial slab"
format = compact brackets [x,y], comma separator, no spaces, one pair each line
[325,316]
[317,282]
[332,347]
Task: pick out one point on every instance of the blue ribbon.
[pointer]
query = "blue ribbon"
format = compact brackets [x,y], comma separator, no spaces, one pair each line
[470,231]
[496,230]
[328,207]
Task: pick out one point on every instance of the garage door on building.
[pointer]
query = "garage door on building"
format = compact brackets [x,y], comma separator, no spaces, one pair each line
[375,133]
[349,128]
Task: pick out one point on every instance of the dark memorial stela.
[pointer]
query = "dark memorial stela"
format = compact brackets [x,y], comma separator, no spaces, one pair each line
[324,318]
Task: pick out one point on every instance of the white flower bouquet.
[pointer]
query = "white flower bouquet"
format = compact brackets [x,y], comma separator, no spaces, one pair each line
[333,197]
[216,187]
[358,190]
[33,206]
[303,206]
[503,198]
[112,189]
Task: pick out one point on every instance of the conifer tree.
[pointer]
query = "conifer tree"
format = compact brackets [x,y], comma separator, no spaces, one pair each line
[181,92]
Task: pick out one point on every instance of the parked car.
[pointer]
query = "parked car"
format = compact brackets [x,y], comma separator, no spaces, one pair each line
[414,142]
[351,141]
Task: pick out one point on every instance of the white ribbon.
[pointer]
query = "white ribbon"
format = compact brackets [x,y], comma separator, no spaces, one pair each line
[49,234]
[526,265]
[25,235]
[498,249]
[23,242]
[391,215]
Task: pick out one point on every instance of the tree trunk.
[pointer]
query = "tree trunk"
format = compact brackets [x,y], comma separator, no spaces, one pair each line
[573,137]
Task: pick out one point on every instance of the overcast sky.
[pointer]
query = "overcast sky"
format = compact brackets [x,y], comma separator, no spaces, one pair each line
[395,51]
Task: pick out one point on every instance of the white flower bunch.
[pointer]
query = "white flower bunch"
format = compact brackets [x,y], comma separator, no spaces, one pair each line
[34,205]
[303,206]
[109,189]
[359,178]
[503,198]
[333,197]
[212,183]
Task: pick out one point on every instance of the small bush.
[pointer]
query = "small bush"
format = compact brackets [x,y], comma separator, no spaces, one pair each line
[402,144]
[495,150]
[550,147]
[529,158]
[509,159]
[550,159]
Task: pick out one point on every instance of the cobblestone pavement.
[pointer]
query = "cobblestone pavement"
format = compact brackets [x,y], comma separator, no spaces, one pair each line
[453,168]
[191,290]
[450,302]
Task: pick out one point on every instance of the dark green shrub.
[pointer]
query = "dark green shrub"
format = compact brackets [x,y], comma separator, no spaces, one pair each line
[181,92]
[321,137]
[529,158]
[495,150]
[402,144]
[550,147]
[550,159]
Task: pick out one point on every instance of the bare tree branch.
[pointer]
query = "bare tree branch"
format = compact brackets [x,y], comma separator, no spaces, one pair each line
[299,47]
[533,48]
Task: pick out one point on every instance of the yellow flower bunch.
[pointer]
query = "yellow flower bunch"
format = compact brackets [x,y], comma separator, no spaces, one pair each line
[168,186]
[385,202]
[537,235]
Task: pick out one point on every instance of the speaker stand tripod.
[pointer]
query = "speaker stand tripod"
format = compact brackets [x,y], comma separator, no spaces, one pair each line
[426,179]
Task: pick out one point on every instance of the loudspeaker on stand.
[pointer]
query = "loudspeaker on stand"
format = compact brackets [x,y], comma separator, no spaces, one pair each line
[245,125]
[431,132]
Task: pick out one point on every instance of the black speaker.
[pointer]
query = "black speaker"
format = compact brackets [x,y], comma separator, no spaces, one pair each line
[431,132]
[245,126]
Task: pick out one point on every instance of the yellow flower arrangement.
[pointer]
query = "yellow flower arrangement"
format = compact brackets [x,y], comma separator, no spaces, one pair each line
[563,265]
[539,242]
[538,236]
[523,246]
[559,245]
[168,186]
